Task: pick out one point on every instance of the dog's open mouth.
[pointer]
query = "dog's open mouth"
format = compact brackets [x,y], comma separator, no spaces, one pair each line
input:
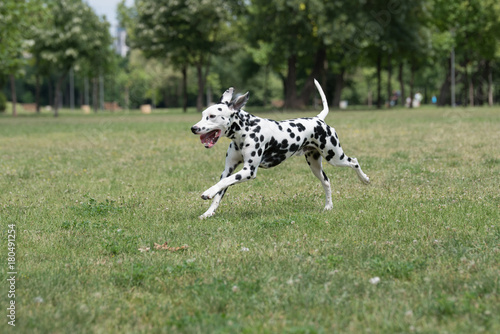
[209,139]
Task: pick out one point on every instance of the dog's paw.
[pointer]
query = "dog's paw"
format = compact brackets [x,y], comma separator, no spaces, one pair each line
[210,193]
[206,215]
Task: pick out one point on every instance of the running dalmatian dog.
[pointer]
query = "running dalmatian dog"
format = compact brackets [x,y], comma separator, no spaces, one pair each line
[258,142]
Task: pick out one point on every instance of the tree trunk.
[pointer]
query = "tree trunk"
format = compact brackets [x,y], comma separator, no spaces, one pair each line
[379,81]
[266,86]
[444,91]
[86,91]
[184,89]
[291,101]
[95,87]
[126,97]
[389,78]
[317,73]
[13,94]
[37,92]
[471,91]
[57,99]
[401,84]
[412,79]
[339,85]
[490,86]
[201,87]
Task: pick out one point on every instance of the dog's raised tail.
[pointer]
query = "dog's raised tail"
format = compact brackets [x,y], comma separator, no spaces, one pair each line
[325,110]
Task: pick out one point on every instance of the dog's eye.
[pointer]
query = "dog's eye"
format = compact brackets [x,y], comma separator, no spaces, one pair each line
[212,116]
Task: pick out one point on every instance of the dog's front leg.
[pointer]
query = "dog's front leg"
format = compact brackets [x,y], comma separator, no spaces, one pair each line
[249,171]
[233,159]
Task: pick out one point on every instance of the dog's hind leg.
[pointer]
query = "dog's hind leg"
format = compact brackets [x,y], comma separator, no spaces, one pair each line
[343,160]
[313,159]
[233,159]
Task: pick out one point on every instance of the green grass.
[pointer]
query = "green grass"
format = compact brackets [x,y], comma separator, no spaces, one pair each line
[87,191]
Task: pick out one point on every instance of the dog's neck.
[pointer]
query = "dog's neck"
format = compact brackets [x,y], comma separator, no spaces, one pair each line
[240,119]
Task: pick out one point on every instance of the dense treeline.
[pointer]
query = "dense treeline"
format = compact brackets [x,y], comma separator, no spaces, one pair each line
[377,52]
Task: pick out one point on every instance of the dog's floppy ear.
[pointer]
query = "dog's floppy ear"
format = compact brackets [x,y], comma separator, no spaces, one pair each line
[226,97]
[240,101]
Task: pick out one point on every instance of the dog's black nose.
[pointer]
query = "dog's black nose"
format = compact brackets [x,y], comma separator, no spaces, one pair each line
[195,129]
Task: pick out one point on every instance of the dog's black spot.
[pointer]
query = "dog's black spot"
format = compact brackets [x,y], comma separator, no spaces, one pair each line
[257,145]
[324,176]
[252,135]
[357,166]
[260,152]
[292,135]
[294,148]
[349,159]
[238,177]
[330,155]
[316,155]
[300,127]
[298,138]
[220,109]
[342,156]
[274,153]
[262,138]
[232,130]
[333,141]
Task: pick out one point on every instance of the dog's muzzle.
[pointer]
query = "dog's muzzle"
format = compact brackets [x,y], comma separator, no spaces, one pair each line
[195,129]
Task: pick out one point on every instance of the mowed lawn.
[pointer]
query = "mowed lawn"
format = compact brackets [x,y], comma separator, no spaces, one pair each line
[89,194]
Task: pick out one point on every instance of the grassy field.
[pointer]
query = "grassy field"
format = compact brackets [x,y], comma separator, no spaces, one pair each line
[88,194]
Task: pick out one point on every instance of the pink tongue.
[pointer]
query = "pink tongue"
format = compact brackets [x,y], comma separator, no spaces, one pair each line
[208,139]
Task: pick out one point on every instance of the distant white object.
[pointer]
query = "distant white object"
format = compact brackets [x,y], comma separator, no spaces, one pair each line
[343,104]
[375,280]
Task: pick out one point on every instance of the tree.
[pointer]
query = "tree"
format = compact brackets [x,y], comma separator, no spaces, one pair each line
[15,20]
[472,29]
[288,30]
[186,32]
[75,35]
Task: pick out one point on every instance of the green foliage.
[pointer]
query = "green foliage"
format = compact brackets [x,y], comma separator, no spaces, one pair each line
[15,19]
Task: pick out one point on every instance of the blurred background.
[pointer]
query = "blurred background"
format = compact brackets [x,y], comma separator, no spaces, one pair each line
[121,55]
